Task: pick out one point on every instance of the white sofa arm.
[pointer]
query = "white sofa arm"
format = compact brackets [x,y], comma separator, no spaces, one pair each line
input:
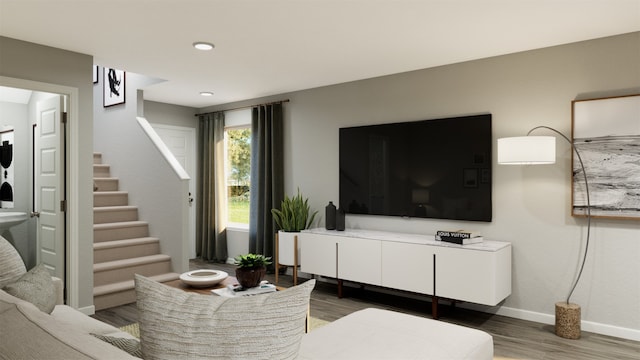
[59,286]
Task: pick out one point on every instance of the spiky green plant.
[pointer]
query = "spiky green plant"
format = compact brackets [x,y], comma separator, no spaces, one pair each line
[294,214]
[252,260]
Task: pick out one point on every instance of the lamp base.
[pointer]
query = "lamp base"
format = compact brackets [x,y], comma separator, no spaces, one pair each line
[568,320]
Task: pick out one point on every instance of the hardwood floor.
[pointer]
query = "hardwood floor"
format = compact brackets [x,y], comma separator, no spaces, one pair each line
[512,338]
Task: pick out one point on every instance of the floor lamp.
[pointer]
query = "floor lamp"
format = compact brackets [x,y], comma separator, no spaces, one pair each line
[539,150]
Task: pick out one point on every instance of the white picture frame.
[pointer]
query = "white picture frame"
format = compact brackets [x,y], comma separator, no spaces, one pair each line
[113,87]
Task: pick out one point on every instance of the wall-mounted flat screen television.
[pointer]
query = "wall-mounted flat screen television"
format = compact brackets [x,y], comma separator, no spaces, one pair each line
[438,168]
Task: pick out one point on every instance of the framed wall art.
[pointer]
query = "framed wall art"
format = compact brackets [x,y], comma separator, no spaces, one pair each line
[606,132]
[113,87]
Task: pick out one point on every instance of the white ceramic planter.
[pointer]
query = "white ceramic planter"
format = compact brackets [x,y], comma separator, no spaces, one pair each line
[286,250]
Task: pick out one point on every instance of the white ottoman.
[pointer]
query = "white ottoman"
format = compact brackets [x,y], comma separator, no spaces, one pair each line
[383,334]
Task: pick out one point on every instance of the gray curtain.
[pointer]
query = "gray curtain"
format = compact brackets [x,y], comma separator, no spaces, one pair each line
[267,176]
[211,210]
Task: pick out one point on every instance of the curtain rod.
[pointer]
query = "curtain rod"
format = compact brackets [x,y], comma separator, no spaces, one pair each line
[246,107]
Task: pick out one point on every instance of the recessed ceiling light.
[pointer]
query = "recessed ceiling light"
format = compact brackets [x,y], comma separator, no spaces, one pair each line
[206,93]
[202,45]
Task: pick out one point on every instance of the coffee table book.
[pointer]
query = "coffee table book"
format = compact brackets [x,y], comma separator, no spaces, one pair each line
[237,291]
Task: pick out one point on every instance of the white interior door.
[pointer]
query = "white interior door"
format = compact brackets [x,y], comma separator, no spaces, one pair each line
[181,141]
[49,184]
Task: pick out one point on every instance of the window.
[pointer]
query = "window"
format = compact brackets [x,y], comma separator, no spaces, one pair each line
[238,173]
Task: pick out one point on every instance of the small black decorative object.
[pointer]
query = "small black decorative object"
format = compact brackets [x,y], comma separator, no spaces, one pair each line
[6,154]
[330,216]
[340,219]
[6,192]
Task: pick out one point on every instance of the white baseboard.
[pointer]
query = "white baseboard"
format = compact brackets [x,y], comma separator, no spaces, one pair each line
[610,330]
[87,310]
[549,319]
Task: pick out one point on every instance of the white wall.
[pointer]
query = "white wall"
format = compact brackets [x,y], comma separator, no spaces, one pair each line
[531,204]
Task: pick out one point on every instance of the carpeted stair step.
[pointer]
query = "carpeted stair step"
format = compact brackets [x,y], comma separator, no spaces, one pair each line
[116,294]
[106,183]
[120,231]
[122,270]
[112,214]
[97,158]
[110,198]
[101,170]
[124,249]
[122,246]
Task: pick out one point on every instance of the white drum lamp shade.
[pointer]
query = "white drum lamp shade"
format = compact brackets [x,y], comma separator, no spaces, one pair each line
[527,150]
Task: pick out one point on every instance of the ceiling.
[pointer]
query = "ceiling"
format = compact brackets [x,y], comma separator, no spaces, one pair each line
[268,47]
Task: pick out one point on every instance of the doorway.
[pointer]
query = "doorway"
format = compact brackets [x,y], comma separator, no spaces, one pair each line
[181,141]
[51,198]
[48,183]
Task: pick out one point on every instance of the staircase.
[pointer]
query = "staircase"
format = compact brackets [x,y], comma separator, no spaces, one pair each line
[122,246]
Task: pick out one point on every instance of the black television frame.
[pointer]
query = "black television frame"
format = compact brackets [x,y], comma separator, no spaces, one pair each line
[449,175]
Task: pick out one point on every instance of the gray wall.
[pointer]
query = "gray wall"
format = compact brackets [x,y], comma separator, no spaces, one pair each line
[152,184]
[531,204]
[168,114]
[47,65]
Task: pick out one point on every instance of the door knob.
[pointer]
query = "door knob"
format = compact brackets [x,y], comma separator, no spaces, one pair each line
[34,214]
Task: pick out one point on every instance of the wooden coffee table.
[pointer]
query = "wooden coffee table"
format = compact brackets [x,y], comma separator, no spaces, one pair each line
[230,280]
[178,284]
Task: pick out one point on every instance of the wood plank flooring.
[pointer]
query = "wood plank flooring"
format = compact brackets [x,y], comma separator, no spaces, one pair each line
[513,338]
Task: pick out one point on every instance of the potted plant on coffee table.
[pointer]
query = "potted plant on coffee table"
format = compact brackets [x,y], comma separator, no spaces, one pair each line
[293,216]
[251,269]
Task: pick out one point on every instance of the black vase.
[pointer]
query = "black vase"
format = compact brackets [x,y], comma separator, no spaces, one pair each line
[340,220]
[330,216]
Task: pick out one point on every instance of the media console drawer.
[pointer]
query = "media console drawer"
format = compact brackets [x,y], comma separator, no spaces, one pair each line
[478,273]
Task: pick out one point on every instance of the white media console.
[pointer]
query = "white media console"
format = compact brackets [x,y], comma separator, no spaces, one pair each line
[478,273]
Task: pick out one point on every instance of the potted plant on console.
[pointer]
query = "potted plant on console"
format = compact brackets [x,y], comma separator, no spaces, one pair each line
[293,216]
[251,269]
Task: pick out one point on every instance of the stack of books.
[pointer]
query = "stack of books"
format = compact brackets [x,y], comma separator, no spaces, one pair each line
[460,237]
[237,290]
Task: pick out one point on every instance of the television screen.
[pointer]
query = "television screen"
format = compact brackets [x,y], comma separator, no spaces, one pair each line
[427,169]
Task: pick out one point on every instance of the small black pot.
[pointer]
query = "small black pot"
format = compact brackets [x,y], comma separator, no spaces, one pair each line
[250,277]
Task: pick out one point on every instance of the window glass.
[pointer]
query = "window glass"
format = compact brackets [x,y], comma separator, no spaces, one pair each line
[238,172]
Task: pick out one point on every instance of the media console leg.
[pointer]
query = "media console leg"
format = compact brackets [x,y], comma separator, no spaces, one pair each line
[339,289]
[434,307]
